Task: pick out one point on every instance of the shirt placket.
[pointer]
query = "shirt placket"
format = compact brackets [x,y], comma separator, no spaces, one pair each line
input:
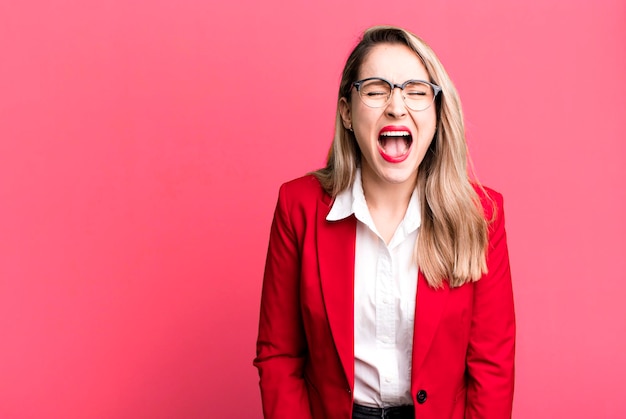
[386,325]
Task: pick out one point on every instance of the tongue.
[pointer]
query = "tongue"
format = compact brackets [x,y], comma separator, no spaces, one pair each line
[394,146]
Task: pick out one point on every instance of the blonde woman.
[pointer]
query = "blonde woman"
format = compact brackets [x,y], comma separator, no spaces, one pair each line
[387,289]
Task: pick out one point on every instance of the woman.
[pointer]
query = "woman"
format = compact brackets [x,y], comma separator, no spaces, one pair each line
[387,289]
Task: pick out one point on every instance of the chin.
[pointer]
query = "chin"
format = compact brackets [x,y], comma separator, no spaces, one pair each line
[398,176]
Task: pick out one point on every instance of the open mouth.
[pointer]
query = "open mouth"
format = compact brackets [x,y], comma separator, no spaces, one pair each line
[394,143]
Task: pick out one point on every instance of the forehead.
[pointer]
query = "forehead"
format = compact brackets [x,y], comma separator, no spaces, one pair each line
[394,62]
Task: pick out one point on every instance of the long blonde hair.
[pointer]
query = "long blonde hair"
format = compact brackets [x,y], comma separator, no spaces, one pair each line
[452,241]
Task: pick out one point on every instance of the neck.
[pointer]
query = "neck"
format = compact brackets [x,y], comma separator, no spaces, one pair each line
[387,202]
[387,197]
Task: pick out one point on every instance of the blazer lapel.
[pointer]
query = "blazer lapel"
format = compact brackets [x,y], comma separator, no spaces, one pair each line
[335,249]
[428,310]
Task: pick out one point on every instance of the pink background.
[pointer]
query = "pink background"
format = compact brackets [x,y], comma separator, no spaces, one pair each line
[142,144]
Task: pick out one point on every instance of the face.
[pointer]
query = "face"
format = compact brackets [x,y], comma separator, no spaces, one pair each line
[393,139]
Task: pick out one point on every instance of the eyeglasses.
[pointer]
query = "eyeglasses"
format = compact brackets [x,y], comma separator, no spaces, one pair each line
[418,95]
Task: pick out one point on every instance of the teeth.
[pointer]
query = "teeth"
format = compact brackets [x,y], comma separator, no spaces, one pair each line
[395,134]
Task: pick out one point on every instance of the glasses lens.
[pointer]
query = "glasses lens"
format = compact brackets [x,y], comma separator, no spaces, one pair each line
[418,96]
[374,93]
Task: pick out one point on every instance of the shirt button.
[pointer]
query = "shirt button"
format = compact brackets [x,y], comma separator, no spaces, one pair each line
[387,380]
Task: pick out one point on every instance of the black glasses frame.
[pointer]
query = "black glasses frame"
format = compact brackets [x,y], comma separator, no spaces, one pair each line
[436,89]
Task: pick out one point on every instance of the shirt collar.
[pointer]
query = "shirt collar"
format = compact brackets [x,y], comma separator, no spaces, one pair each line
[413,217]
[352,201]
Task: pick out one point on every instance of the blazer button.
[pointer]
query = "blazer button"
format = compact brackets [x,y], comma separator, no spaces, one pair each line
[421,396]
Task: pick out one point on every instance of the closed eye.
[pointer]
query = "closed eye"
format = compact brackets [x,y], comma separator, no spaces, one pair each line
[374,94]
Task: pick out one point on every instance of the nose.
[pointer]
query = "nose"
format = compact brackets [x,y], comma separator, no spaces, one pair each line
[396,107]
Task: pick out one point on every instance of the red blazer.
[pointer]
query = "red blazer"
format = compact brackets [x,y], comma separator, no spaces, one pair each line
[464,337]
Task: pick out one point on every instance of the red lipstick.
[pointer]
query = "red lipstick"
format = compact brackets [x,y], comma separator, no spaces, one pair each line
[394,143]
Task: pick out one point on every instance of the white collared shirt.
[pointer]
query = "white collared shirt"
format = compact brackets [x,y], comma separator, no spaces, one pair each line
[385,286]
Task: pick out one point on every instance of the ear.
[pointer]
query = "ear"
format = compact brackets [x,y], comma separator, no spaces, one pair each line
[346,113]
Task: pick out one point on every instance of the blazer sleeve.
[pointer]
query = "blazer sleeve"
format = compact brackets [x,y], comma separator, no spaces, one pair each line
[490,355]
[281,345]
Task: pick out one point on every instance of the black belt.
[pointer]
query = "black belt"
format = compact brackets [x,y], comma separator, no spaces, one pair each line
[393,412]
